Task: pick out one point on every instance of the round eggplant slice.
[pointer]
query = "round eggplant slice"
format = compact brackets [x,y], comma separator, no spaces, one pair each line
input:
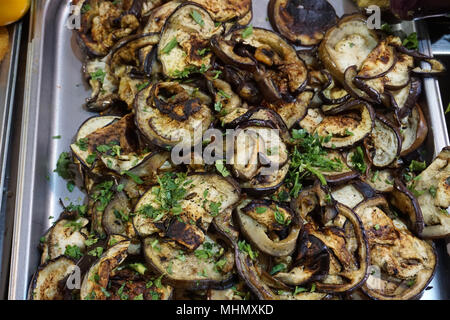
[347,44]
[403,200]
[265,184]
[379,62]
[383,145]
[103,23]
[104,266]
[414,130]
[311,264]
[45,282]
[399,76]
[433,189]
[206,196]
[116,218]
[80,147]
[226,10]
[159,16]
[274,63]
[436,68]
[210,266]
[340,229]
[169,114]
[403,100]
[188,30]
[348,125]
[65,233]
[302,22]
[261,222]
[258,149]
[402,265]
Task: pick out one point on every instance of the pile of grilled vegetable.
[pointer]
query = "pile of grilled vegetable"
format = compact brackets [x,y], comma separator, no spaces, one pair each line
[347,214]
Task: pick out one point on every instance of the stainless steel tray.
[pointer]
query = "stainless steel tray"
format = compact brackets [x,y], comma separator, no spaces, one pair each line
[8,77]
[52,107]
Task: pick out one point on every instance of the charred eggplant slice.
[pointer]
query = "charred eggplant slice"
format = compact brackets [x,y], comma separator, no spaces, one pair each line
[45,283]
[432,189]
[159,16]
[414,130]
[347,44]
[274,64]
[199,198]
[186,32]
[209,266]
[404,264]
[105,22]
[168,114]
[384,144]
[348,125]
[340,229]
[302,22]
[262,222]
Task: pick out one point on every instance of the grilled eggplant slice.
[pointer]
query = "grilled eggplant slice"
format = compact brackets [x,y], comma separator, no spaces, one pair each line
[104,86]
[257,145]
[45,284]
[185,32]
[169,114]
[159,16]
[197,270]
[276,68]
[263,184]
[406,263]
[432,187]
[206,196]
[302,22]
[226,10]
[345,126]
[403,200]
[116,218]
[63,234]
[227,103]
[340,229]
[103,23]
[403,100]
[399,76]
[260,220]
[380,180]
[414,130]
[347,44]
[384,144]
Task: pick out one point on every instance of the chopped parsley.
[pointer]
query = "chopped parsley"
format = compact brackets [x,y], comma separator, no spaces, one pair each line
[169,193]
[220,166]
[247,248]
[197,17]
[411,42]
[141,86]
[169,46]
[357,160]
[277,268]
[63,166]
[417,166]
[247,32]
[73,252]
[260,210]
[309,157]
[98,75]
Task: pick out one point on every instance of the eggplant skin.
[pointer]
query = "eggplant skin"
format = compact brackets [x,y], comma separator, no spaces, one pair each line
[45,282]
[302,22]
